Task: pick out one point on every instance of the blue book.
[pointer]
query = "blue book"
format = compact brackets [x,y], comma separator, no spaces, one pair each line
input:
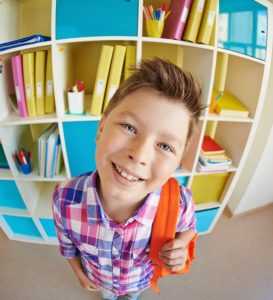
[32,39]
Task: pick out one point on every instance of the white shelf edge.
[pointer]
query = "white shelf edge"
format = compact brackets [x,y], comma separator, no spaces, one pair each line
[229,170]
[215,117]
[182,172]
[6,174]
[26,47]
[176,42]
[82,118]
[205,206]
[14,211]
[14,119]
[95,39]
[240,55]
[22,177]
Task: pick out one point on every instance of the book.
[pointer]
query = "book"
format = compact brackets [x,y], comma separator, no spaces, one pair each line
[130,61]
[194,20]
[51,145]
[40,59]
[221,72]
[209,146]
[49,92]
[29,80]
[115,73]
[208,19]
[229,105]
[32,39]
[6,103]
[101,79]
[175,23]
[18,81]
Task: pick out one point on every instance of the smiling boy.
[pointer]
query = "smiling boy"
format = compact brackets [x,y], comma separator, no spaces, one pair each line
[104,219]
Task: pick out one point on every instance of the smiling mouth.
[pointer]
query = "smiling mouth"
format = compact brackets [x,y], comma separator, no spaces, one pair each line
[124,174]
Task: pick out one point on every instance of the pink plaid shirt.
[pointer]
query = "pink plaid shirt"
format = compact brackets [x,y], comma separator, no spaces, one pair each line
[114,255]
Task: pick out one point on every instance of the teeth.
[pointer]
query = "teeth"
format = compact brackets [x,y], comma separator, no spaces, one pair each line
[125,174]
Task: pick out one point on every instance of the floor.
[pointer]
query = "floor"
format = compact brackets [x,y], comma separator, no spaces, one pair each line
[234,262]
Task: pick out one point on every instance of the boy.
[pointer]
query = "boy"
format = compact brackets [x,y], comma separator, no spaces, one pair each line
[104,219]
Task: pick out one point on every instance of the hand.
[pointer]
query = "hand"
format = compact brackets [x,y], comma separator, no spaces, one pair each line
[86,283]
[174,254]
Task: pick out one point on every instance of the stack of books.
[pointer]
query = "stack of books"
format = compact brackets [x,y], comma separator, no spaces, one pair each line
[33,84]
[49,152]
[112,62]
[213,157]
[191,20]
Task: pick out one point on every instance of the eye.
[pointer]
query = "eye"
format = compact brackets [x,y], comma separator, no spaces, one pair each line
[166,147]
[128,127]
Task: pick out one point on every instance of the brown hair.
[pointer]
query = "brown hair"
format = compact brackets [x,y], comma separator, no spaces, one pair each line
[166,78]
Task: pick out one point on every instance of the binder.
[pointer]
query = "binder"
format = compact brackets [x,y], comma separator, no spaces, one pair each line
[49,92]
[175,23]
[207,23]
[221,72]
[194,20]
[40,59]
[29,80]
[18,80]
[115,73]
[101,79]
[130,61]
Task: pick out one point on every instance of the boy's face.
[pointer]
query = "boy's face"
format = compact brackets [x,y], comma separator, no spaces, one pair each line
[140,145]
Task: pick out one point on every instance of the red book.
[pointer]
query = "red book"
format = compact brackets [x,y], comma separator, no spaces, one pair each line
[209,146]
[175,23]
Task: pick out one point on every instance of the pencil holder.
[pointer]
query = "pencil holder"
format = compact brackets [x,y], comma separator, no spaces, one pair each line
[26,168]
[154,28]
[75,102]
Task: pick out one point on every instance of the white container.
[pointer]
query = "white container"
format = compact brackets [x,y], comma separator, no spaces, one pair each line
[75,102]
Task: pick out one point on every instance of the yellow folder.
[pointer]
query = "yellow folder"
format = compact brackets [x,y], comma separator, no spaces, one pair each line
[221,72]
[101,79]
[194,20]
[49,98]
[40,59]
[115,73]
[130,61]
[29,80]
[207,23]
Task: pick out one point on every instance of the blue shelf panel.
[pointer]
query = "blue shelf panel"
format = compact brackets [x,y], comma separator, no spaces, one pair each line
[205,218]
[10,196]
[80,140]
[183,180]
[49,227]
[251,18]
[23,226]
[81,18]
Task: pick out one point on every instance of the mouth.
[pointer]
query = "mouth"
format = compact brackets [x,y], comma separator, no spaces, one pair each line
[126,174]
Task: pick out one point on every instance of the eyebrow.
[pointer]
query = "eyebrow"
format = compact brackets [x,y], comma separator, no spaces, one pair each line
[164,135]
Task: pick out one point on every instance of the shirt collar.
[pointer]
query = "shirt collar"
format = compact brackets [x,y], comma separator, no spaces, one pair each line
[96,214]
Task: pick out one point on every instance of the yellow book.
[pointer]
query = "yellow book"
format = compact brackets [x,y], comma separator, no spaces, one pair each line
[101,79]
[229,105]
[207,23]
[40,59]
[49,97]
[221,72]
[29,80]
[194,20]
[211,128]
[130,61]
[115,73]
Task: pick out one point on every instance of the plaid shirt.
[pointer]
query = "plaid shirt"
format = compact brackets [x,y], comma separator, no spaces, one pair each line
[114,255]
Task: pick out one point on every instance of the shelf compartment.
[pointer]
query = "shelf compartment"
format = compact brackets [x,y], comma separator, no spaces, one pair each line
[100,18]
[18,20]
[79,61]
[205,219]
[22,226]
[10,196]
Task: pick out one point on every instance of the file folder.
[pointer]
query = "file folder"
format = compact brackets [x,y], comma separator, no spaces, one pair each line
[130,61]
[40,59]
[49,91]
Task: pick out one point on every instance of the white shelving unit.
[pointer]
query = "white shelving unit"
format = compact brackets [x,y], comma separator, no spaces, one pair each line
[75,52]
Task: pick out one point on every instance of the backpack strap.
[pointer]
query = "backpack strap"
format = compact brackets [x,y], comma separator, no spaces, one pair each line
[164,230]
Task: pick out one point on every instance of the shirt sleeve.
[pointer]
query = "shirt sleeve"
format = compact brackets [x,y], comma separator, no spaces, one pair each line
[186,218]
[66,246]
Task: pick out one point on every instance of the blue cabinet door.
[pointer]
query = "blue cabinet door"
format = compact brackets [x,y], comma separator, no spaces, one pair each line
[205,219]
[80,142]
[10,196]
[48,226]
[85,18]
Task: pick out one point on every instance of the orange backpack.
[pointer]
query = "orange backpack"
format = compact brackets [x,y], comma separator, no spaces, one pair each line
[164,230]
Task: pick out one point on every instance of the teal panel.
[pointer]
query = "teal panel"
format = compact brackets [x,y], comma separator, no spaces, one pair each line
[10,196]
[22,226]
[80,141]
[3,160]
[83,18]
[183,180]
[49,227]
[243,27]
[205,218]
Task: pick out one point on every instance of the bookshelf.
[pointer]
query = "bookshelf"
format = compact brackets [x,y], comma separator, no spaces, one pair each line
[25,200]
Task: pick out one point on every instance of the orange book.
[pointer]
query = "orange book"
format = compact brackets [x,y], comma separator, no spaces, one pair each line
[209,146]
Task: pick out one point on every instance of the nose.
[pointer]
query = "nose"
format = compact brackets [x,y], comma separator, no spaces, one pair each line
[140,152]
